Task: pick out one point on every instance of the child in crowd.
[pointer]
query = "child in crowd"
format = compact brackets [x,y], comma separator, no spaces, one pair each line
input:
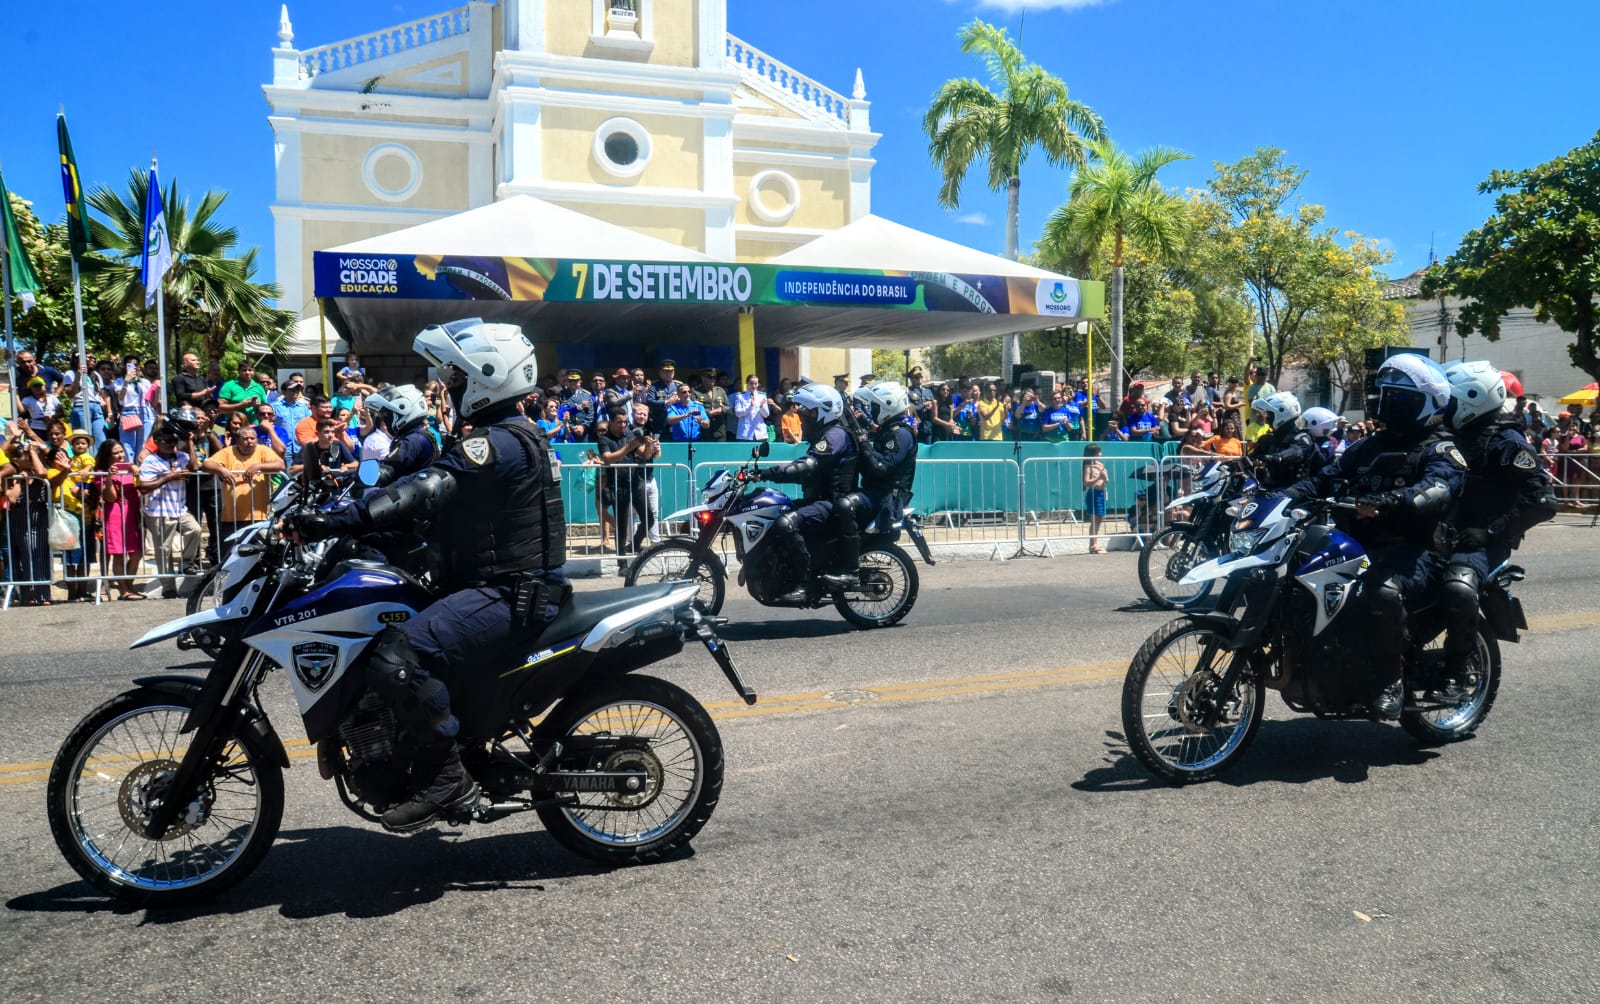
[1095,480]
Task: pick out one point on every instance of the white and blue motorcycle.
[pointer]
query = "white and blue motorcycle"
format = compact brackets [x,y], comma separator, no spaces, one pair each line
[173,791]
[1193,696]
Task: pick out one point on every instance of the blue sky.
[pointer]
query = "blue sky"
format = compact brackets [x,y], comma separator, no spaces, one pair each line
[1398,109]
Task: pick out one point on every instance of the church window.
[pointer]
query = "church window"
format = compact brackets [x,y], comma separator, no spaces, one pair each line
[622,147]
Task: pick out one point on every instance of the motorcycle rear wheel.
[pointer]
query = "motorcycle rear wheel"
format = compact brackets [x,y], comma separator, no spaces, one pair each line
[683,764]
[1167,557]
[683,559]
[1176,722]
[888,589]
[1451,725]
[100,786]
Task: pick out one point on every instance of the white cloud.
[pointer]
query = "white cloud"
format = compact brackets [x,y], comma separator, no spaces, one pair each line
[1013,6]
[974,219]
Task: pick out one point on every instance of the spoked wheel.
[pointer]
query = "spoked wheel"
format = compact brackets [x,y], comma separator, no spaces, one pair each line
[1460,720]
[1165,559]
[673,560]
[112,769]
[1178,720]
[678,751]
[887,592]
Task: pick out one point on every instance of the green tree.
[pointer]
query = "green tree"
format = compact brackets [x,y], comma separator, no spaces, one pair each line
[49,328]
[209,290]
[1540,250]
[1030,107]
[1113,198]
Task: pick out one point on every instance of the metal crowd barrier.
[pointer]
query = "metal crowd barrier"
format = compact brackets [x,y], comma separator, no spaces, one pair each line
[1056,503]
[582,484]
[1576,480]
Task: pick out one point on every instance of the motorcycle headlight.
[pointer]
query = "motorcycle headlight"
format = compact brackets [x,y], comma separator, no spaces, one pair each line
[1245,541]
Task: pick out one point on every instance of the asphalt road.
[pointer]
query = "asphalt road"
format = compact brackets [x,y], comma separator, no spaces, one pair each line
[944,810]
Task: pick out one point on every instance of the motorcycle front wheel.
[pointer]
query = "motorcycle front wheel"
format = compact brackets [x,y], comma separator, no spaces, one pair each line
[887,590]
[115,764]
[678,750]
[1178,721]
[673,560]
[1167,557]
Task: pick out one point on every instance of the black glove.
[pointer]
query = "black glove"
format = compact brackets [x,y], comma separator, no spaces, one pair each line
[309,525]
[1384,502]
[1472,539]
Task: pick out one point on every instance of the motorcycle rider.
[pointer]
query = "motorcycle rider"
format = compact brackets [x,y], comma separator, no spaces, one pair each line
[888,455]
[1320,424]
[828,474]
[497,534]
[1506,493]
[1399,505]
[1284,454]
[402,415]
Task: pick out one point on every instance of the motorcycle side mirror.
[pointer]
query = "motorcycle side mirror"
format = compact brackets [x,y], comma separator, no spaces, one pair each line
[367,473]
[764,450]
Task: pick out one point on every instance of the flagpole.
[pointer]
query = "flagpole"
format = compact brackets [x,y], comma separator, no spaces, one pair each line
[11,340]
[161,304]
[77,316]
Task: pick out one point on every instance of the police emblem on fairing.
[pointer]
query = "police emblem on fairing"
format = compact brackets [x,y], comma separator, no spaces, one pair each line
[314,662]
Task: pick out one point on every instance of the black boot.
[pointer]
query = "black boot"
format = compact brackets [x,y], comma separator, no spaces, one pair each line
[450,789]
[1390,700]
[846,566]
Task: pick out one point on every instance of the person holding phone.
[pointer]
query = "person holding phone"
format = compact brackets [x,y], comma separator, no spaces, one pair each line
[164,478]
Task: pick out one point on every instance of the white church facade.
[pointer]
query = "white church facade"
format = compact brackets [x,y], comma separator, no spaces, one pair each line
[642,113]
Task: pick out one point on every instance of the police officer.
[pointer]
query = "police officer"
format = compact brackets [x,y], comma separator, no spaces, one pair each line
[497,535]
[1286,454]
[828,474]
[1320,425]
[1506,493]
[889,455]
[1407,475]
[402,414]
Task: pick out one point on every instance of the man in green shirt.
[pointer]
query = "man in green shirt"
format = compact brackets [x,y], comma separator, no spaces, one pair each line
[1260,388]
[242,394]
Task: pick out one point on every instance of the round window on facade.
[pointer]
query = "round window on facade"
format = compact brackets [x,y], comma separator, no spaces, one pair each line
[621,147]
[774,196]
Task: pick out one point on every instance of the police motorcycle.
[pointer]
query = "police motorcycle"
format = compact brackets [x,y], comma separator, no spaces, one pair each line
[736,503]
[1193,696]
[1200,535]
[173,791]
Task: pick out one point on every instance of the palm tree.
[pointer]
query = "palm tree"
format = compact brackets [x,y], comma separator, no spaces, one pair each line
[1117,196]
[968,121]
[208,288]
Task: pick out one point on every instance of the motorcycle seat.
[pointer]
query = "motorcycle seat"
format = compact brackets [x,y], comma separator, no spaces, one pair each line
[584,610]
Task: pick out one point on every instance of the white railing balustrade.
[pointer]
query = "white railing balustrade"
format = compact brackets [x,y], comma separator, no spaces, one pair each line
[389,41]
[784,82]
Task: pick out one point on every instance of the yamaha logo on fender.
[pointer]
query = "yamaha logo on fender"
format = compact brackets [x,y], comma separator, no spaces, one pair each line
[314,662]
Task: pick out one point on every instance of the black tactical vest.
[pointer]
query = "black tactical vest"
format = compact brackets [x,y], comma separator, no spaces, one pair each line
[508,525]
[1494,484]
[899,476]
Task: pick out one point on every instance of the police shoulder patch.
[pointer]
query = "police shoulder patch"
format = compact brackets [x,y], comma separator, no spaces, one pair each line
[1448,449]
[1524,461]
[478,449]
[821,445]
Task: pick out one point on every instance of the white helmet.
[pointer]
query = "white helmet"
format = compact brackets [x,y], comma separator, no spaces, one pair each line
[822,399]
[1281,408]
[1411,389]
[1320,422]
[882,401]
[402,403]
[483,364]
[1477,388]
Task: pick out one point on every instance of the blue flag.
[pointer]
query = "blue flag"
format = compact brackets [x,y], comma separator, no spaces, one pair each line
[157,250]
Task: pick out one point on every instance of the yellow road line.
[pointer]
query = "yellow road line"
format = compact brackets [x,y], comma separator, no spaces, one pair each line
[889,693]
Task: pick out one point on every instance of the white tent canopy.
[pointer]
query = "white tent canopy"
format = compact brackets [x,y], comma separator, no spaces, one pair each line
[522,227]
[873,242]
[305,339]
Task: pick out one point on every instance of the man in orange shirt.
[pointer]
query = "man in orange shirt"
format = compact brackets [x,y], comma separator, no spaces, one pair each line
[245,471]
[305,431]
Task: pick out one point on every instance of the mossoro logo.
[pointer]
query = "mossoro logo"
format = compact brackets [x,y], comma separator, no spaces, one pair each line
[1057,297]
[369,275]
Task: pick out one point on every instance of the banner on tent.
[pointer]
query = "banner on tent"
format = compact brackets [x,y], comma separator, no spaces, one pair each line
[550,280]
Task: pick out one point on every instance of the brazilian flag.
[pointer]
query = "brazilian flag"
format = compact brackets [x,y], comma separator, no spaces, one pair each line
[77,212]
